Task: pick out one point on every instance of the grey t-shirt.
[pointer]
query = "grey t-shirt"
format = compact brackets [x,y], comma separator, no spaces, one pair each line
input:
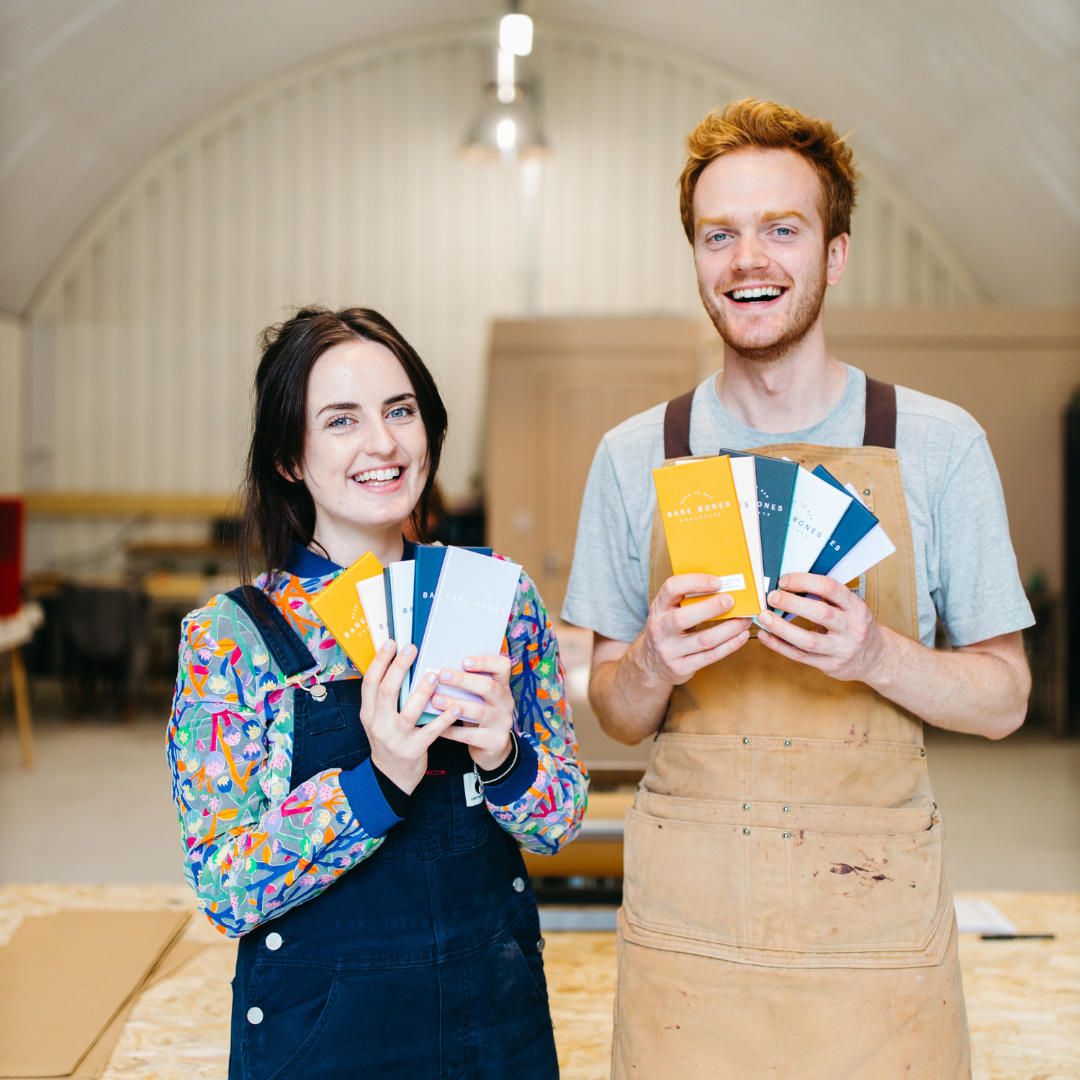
[965,567]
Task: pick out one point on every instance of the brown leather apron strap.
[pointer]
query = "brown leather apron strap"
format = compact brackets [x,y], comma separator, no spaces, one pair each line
[880,427]
[677,426]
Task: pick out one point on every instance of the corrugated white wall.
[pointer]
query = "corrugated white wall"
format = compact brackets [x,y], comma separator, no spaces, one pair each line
[342,183]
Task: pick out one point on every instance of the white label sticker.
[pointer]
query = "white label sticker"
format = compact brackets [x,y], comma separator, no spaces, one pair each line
[732,583]
[473,795]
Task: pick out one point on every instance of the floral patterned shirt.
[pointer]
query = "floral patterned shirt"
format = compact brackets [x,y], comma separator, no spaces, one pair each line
[252,849]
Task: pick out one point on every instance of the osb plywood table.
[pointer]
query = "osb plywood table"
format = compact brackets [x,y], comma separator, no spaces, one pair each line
[1023,996]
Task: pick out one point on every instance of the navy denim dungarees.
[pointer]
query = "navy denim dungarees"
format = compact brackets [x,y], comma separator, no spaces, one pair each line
[420,963]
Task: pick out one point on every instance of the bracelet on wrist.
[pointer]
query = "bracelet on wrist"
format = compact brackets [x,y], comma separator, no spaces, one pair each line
[491,777]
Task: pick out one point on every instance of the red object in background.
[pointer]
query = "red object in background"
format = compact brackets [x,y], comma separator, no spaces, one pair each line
[11,555]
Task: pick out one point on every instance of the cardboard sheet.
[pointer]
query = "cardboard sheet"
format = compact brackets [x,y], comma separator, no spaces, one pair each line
[68,980]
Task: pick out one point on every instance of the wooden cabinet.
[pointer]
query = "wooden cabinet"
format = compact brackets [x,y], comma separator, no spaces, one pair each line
[555,386]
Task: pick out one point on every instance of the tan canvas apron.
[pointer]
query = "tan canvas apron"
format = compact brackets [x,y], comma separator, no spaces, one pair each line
[786,909]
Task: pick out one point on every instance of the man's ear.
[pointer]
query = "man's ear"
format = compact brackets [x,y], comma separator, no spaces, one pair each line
[836,255]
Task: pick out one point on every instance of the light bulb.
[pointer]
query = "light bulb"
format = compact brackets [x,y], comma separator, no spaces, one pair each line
[515,34]
[506,134]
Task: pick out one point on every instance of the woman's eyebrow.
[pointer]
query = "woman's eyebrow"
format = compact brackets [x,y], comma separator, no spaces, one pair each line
[408,396]
[343,405]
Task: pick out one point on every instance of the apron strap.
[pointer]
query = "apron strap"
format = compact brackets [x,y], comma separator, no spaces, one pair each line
[281,639]
[880,427]
[677,426]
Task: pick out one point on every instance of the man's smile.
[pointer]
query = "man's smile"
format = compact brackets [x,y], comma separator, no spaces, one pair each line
[756,294]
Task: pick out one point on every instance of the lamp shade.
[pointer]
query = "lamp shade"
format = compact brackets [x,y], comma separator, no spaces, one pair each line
[506,129]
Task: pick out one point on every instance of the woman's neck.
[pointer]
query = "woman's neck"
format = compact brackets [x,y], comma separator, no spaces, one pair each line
[344,543]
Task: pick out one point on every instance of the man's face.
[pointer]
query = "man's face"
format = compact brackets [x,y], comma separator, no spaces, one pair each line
[760,252]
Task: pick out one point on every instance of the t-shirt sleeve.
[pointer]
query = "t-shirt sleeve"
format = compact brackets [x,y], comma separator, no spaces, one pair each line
[979,594]
[609,581]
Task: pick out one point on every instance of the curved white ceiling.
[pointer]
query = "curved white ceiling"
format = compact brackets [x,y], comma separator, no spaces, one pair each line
[973,105]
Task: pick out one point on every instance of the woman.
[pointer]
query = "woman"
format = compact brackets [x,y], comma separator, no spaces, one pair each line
[386,924]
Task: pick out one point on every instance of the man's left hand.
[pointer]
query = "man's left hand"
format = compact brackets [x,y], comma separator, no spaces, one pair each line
[852,645]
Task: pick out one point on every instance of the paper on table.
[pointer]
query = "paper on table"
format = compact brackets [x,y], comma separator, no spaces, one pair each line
[65,977]
[975,916]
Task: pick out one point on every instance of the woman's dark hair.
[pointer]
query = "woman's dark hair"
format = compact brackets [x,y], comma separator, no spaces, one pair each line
[279,512]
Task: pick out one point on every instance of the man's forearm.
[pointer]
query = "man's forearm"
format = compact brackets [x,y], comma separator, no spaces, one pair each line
[628,703]
[980,689]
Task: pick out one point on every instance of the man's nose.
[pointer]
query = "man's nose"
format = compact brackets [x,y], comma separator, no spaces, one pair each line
[749,254]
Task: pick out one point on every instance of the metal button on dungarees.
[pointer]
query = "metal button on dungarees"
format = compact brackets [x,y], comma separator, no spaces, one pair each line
[518,884]
[254,1015]
[540,945]
[273,942]
[318,692]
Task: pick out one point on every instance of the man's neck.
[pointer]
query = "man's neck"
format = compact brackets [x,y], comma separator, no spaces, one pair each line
[790,394]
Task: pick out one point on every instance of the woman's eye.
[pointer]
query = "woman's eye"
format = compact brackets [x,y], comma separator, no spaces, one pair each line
[399,412]
[340,421]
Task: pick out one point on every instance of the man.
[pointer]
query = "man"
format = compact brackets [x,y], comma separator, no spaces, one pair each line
[786,908]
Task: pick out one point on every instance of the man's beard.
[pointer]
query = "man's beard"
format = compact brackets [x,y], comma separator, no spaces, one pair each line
[798,324]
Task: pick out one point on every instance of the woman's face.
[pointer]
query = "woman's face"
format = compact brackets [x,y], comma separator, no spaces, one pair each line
[365,447]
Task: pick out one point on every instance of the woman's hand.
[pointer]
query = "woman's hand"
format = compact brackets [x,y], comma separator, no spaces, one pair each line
[488,722]
[398,747]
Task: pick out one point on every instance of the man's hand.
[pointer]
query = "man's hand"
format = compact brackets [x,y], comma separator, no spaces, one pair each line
[631,682]
[672,649]
[851,648]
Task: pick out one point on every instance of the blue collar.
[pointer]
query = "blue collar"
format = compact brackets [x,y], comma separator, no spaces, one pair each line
[306,564]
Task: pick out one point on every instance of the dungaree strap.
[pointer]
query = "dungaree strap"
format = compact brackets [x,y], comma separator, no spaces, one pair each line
[677,426]
[880,427]
[281,639]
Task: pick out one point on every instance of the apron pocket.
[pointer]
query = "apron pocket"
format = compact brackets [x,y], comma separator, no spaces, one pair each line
[784,891]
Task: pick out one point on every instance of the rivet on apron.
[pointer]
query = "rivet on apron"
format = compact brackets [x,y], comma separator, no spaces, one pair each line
[787,836]
[746,832]
[787,809]
[866,492]
[746,742]
[787,742]
[746,806]
[922,751]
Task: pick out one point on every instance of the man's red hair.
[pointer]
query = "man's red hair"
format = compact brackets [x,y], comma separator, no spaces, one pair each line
[751,124]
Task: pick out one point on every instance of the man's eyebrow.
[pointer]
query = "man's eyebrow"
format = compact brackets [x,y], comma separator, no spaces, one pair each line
[769,215]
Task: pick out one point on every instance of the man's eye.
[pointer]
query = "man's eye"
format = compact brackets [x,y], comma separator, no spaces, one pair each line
[784,231]
[715,238]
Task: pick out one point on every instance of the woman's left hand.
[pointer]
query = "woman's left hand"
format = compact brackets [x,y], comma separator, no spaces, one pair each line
[488,723]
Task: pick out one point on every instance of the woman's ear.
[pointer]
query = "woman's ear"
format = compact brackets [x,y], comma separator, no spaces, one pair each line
[290,477]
